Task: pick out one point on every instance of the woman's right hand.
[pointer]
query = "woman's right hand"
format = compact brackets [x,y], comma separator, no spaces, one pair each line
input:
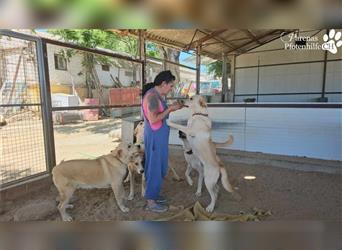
[175,106]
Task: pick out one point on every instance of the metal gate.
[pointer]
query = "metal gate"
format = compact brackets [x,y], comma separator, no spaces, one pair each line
[23,141]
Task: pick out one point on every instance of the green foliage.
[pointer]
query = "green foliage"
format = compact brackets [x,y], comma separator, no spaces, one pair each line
[215,68]
[152,50]
[93,38]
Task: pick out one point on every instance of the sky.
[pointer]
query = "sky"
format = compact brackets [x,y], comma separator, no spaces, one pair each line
[184,55]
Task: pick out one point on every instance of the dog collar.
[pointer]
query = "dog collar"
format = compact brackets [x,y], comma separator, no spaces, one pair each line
[189,152]
[200,114]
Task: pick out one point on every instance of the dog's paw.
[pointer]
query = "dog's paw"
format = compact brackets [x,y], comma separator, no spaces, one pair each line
[126,180]
[69,206]
[189,181]
[124,209]
[66,217]
[198,193]
[210,208]
[130,197]
[192,134]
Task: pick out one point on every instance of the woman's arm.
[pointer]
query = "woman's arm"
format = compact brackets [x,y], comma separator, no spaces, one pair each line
[153,114]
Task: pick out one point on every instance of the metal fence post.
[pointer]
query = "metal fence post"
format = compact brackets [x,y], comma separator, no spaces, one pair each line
[45,95]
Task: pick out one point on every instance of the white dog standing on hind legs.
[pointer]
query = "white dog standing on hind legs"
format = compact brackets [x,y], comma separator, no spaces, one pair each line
[198,132]
[192,163]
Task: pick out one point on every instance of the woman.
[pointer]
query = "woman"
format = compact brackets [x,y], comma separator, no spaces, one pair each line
[156,138]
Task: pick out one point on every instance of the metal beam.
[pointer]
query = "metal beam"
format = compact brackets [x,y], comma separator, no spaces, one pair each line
[164,41]
[268,41]
[192,39]
[252,35]
[324,71]
[95,51]
[232,62]
[224,78]
[168,61]
[198,69]
[45,95]
[205,38]
[226,43]
[142,56]
[249,42]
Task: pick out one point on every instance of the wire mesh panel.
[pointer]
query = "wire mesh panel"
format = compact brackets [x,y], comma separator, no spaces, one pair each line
[76,76]
[79,78]
[185,80]
[22,152]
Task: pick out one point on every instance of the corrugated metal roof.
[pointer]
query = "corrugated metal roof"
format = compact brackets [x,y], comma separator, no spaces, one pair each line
[213,42]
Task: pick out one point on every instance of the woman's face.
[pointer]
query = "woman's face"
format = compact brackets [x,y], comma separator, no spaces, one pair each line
[167,87]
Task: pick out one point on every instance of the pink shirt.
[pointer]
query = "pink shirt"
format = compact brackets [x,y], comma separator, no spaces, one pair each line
[157,125]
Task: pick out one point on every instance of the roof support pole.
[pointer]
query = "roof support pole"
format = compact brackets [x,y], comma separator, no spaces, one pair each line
[224,95]
[322,99]
[198,69]
[231,92]
[142,56]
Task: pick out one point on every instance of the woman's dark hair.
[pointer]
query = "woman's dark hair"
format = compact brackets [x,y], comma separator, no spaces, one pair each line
[147,87]
[162,76]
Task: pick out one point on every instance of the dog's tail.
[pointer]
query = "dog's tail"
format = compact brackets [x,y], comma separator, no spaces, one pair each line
[224,179]
[224,144]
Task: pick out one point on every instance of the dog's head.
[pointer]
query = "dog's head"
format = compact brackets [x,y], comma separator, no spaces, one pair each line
[139,132]
[125,150]
[181,135]
[135,163]
[197,104]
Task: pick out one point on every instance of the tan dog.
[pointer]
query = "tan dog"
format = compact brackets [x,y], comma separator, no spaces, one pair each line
[198,132]
[105,171]
[139,135]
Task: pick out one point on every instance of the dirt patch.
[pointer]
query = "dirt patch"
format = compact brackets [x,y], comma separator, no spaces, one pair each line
[289,194]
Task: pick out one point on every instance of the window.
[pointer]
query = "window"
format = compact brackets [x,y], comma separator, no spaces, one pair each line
[60,62]
[105,67]
[128,73]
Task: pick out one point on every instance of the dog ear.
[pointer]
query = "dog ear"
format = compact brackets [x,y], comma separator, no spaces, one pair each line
[119,153]
[202,102]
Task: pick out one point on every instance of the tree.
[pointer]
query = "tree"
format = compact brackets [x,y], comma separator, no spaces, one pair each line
[95,38]
[173,55]
[215,68]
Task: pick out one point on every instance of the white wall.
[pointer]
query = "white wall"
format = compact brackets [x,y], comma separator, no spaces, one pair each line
[75,66]
[310,132]
[62,76]
[289,76]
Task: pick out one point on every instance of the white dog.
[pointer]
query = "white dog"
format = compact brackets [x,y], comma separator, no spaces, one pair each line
[105,171]
[192,163]
[198,132]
